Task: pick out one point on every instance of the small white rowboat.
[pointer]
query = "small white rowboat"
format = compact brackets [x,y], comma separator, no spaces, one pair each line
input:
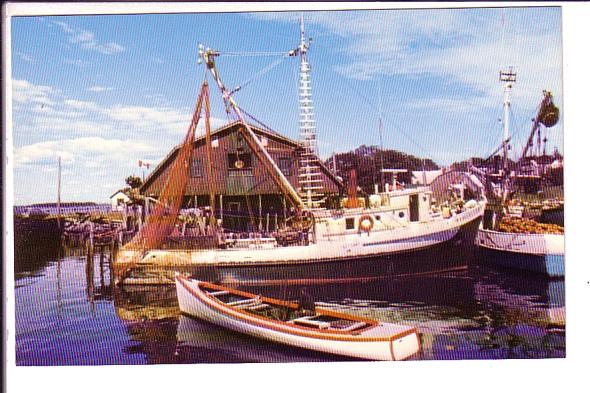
[283,322]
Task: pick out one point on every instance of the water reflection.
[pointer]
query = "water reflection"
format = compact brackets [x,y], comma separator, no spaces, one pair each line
[201,342]
[68,312]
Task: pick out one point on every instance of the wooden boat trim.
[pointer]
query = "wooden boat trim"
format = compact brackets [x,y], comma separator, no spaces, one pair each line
[294,305]
[286,303]
[289,328]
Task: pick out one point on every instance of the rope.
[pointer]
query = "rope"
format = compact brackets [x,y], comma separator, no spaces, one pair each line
[375,108]
[268,128]
[259,74]
[251,54]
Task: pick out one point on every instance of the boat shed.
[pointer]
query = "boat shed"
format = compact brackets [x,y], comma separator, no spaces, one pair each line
[242,187]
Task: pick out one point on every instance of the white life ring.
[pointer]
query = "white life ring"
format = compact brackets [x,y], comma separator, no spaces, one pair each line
[366,223]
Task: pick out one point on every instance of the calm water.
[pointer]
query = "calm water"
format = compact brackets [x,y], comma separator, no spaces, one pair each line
[68,313]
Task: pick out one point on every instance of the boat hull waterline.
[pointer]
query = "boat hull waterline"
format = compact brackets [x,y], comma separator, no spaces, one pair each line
[539,253]
[375,341]
[446,247]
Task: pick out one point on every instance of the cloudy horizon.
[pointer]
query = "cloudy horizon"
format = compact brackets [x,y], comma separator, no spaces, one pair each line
[102,98]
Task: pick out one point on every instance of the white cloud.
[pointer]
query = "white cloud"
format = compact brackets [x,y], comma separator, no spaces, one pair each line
[450,60]
[27,93]
[80,151]
[25,57]
[77,104]
[464,46]
[77,62]
[86,40]
[99,89]
[59,116]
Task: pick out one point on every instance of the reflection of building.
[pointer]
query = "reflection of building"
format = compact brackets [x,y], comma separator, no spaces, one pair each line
[140,303]
[241,184]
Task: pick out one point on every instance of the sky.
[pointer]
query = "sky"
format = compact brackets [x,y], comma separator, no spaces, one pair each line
[103,92]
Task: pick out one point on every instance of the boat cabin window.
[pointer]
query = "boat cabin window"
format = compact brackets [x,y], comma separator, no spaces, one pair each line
[350,223]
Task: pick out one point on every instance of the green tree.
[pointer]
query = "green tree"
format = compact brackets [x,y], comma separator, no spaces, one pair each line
[134,181]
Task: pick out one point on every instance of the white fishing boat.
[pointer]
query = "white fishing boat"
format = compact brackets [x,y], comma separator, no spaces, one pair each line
[518,246]
[396,232]
[284,322]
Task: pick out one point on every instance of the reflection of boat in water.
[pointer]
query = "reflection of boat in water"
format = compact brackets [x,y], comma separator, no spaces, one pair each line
[515,242]
[204,342]
[295,323]
[523,299]
[511,316]
[145,302]
[398,232]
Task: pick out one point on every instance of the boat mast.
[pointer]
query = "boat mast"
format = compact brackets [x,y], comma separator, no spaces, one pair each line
[381,137]
[310,176]
[508,77]
[59,192]
[208,56]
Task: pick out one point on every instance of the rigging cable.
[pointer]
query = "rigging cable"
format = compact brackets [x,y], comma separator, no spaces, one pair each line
[251,54]
[266,127]
[371,105]
[260,73]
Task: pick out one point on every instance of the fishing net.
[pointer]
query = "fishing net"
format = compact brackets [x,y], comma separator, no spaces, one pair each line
[162,220]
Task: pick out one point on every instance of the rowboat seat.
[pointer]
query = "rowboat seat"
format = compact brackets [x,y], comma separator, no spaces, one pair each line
[308,321]
[258,307]
[242,303]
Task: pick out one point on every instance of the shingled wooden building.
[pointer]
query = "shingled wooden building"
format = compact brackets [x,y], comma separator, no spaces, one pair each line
[243,189]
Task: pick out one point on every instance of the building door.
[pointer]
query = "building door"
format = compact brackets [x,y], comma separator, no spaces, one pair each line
[233,216]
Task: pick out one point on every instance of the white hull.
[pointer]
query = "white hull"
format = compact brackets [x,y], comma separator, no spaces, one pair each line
[543,253]
[352,244]
[383,342]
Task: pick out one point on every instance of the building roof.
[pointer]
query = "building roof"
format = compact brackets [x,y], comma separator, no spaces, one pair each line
[217,132]
[121,190]
[418,176]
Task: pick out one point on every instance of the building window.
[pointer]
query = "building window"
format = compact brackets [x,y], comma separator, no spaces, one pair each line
[285,165]
[239,164]
[197,167]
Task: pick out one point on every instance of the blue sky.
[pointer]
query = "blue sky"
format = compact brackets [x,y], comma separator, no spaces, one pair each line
[103,92]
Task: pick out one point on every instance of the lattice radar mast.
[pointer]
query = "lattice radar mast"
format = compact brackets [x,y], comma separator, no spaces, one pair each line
[310,175]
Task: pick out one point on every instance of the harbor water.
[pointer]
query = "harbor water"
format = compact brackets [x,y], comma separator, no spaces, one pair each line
[69,313]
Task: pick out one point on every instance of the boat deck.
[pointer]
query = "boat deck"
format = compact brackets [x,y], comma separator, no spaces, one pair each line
[320,319]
